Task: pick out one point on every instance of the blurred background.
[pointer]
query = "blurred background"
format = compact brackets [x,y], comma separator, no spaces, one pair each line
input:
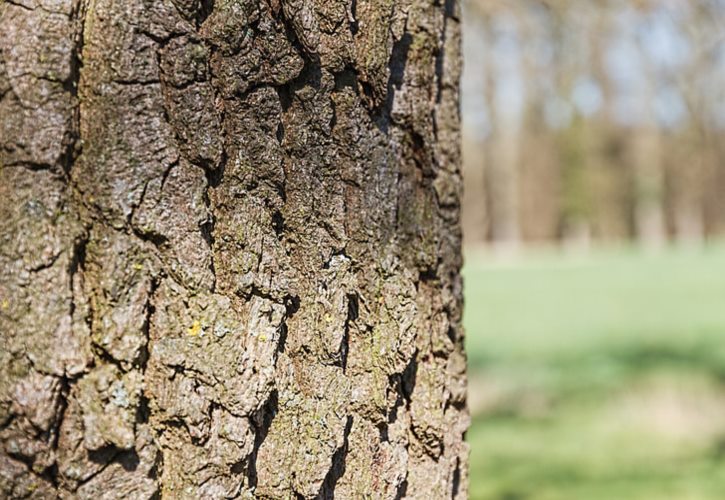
[594,229]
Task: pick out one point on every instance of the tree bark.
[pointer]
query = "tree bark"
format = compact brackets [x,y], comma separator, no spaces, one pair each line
[230,250]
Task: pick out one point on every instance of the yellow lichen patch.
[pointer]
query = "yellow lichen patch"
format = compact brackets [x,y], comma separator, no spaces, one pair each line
[328,318]
[5,304]
[195,329]
[263,338]
[138,266]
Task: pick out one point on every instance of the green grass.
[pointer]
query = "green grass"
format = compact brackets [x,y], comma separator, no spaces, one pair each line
[599,376]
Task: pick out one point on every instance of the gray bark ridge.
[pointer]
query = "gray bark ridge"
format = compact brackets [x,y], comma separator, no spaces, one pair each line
[230,250]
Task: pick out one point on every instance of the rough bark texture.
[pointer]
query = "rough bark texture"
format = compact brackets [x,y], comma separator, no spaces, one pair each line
[230,251]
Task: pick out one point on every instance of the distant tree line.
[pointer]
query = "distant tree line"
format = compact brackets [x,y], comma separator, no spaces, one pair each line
[594,121]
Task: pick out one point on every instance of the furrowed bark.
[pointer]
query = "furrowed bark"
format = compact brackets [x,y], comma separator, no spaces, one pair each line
[230,250]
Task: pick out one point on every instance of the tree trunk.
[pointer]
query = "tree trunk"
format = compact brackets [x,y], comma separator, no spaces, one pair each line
[230,250]
[649,219]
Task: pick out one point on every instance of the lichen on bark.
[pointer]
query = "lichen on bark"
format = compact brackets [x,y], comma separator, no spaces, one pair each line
[230,250]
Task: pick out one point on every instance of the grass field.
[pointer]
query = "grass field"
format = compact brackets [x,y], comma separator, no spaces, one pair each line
[597,377]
